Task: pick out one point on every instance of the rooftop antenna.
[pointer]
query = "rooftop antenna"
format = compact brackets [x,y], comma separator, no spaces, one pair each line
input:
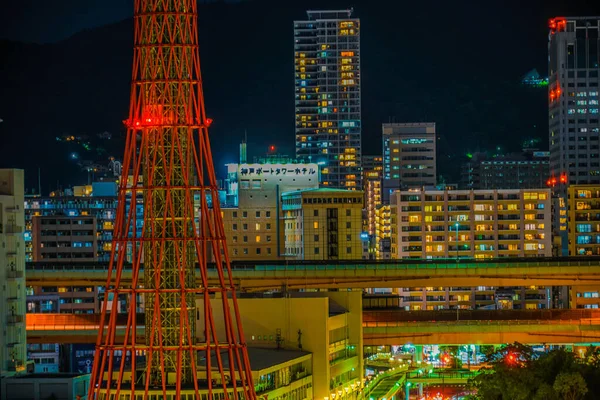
[244,149]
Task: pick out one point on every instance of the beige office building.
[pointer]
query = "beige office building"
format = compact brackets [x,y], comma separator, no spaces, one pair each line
[326,324]
[323,224]
[471,224]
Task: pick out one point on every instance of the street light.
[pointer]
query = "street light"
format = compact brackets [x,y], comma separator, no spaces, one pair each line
[456,225]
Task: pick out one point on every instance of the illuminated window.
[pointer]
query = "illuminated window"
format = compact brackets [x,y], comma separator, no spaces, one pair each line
[513,227]
[529,216]
[257,239]
[316,224]
[257,227]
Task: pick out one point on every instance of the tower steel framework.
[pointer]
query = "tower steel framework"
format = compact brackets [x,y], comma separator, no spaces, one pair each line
[168,164]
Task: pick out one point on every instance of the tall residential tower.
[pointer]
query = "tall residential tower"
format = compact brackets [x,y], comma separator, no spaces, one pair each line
[409,155]
[327,93]
[573,100]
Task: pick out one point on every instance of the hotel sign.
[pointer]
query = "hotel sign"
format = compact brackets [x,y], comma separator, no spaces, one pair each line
[276,170]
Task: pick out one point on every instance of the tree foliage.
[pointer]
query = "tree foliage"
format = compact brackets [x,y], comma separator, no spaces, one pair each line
[570,385]
[516,372]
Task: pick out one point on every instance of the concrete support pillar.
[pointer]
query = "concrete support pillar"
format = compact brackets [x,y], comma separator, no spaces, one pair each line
[418,353]
[407,390]
[420,389]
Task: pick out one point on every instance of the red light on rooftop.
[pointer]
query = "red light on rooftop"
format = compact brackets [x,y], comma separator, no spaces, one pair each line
[557,24]
[563,178]
[208,122]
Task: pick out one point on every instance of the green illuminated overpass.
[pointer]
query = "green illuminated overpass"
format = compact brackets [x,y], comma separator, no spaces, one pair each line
[257,276]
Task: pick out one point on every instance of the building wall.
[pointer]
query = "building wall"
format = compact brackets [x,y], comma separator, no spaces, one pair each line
[487,224]
[12,273]
[383,232]
[506,174]
[60,238]
[323,224]
[264,318]
[251,214]
[251,229]
[584,296]
[584,220]
[327,95]
[409,155]
[372,201]
[101,209]
[573,115]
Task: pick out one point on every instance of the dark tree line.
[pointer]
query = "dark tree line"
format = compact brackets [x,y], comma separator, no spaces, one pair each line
[516,372]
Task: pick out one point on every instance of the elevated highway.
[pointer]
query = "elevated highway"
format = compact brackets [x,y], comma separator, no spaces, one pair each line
[397,327]
[384,327]
[265,275]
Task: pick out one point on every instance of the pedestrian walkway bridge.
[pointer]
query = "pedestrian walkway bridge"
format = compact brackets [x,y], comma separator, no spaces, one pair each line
[264,275]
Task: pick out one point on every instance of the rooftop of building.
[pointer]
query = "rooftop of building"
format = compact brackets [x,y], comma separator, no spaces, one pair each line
[322,190]
[334,308]
[59,375]
[261,358]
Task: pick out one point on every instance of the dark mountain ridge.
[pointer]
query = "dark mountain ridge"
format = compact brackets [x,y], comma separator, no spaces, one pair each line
[457,65]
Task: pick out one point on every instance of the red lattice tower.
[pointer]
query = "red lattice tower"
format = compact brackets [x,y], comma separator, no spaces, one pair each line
[168,165]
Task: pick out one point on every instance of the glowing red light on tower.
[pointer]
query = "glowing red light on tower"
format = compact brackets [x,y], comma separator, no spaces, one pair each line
[271,148]
[563,178]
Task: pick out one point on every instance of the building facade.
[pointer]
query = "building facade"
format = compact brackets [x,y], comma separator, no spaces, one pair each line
[372,168]
[252,206]
[327,95]
[584,220]
[515,171]
[326,324]
[54,228]
[573,99]
[472,224]
[409,155]
[383,232]
[463,298]
[12,271]
[323,224]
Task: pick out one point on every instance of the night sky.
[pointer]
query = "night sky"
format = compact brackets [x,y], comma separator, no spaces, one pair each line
[454,63]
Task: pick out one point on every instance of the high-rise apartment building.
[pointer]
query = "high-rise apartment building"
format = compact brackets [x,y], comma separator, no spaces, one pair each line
[12,272]
[471,224]
[327,95]
[323,224]
[573,57]
[409,155]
